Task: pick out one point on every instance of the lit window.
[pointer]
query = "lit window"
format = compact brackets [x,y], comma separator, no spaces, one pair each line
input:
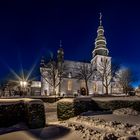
[82,83]
[69,84]
[95,87]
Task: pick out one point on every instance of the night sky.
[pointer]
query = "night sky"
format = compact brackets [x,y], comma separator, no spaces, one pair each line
[30,30]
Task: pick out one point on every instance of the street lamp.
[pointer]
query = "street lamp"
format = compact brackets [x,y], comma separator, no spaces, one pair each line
[23,85]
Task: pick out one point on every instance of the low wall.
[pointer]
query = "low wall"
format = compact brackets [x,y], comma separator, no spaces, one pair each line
[30,111]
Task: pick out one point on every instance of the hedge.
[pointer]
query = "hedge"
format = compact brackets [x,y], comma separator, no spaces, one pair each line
[67,108]
[30,111]
[117,104]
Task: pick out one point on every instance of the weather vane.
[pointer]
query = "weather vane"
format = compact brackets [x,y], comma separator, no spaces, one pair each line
[100,18]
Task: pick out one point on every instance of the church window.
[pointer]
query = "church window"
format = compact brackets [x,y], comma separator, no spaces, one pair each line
[101,59]
[95,87]
[69,84]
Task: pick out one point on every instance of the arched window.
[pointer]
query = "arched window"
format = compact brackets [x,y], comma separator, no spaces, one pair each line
[101,59]
[69,85]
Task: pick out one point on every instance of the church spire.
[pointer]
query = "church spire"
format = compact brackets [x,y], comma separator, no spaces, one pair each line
[100,19]
[60,44]
[60,52]
[100,41]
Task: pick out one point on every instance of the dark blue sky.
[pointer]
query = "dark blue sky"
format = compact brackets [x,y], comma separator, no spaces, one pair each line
[31,29]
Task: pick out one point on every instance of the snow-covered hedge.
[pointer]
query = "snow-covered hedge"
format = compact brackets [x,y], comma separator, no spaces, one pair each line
[117,104]
[11,113]
[67,108]
[30,111]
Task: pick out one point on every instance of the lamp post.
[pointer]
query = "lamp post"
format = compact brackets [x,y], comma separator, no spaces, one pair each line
[23,87]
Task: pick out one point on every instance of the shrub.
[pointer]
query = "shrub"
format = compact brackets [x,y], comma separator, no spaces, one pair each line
[30,111]
[117,104]
[11,114]
[67,108]
[34,114]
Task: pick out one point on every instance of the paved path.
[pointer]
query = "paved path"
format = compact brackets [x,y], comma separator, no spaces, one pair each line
[51,112]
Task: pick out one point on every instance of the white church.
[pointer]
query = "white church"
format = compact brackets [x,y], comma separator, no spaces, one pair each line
[70,84]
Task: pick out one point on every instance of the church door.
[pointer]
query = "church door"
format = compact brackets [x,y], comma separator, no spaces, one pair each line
[83,91]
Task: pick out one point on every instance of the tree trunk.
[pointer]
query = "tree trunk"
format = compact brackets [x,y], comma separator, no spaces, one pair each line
[54,91]
[125,90]
[106,90]
[106,87]
[87,91]
[59,91]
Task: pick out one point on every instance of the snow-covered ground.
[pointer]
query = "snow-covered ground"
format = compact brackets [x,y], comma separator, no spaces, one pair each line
[103,128]
[87,126]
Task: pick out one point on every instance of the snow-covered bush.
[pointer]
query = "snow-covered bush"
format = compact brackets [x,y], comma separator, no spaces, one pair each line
[30,111]
[117,104]
[34,113]
[67,108]
[11,113]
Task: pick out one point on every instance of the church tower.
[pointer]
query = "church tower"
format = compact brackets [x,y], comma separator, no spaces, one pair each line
[100,41]
[100,55]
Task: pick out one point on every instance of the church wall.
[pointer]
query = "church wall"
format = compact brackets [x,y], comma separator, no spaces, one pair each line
[70,86]
[45,88]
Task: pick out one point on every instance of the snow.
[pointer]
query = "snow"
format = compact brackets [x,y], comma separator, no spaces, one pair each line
[20,100]
[92,128]
[126,111]
[132,98]
[70,100]
[18,135]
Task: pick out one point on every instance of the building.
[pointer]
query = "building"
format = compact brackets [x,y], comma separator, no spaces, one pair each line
[35,88]
[69,83]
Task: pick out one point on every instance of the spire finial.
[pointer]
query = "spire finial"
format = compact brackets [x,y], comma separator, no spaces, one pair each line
[100,18]
[60,44]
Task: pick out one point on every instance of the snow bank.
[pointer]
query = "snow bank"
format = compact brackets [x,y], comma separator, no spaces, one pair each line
[98,129]
[126,111]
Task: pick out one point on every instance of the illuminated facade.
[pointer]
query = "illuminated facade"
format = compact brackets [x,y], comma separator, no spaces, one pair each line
[70,84]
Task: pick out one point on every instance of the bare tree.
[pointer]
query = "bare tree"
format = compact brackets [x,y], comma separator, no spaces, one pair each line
[52,72]
[49,72]
[126,78]
[106,72]
[84,71]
